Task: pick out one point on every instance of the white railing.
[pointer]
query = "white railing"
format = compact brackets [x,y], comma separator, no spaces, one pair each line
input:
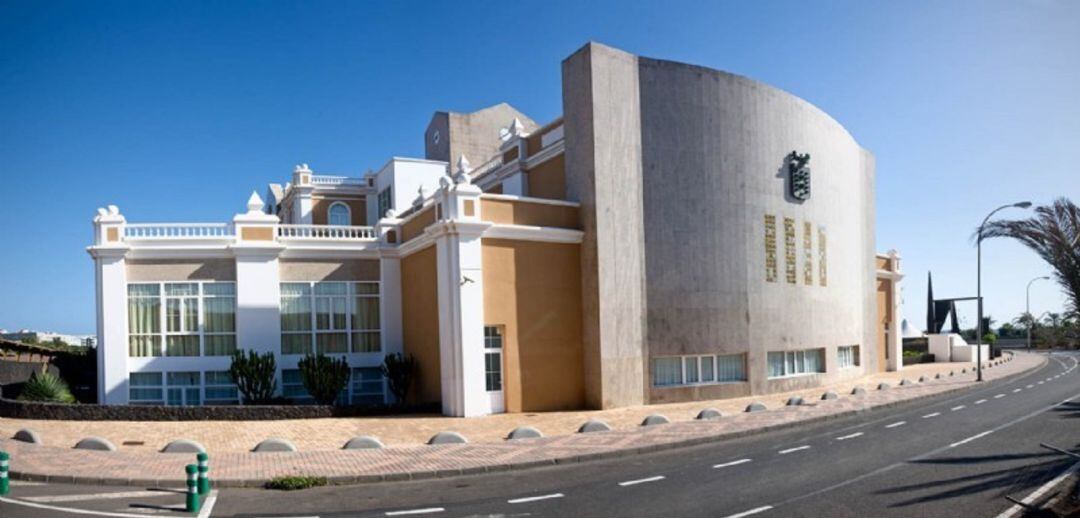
[487,167]
[326,232]
[178,231]
[336,180]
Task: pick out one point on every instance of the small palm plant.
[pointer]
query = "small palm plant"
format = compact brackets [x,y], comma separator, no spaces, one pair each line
[46,386]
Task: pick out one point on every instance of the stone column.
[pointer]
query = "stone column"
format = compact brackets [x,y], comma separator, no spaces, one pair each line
[110,283]
[302,189]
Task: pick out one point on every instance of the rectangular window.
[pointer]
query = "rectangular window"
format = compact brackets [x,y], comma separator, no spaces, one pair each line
[493,342]
[385,202]
[145,388]
[220,389]
[367,386]
[183,388]
[292,386]
[795,363]
[187,318]
[847,356]
[696,370]
[789,250]
[770,248]
[330,317]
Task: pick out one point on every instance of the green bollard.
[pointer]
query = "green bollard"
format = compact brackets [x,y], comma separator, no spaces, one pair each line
[5,485]
[192,491]
[204,473]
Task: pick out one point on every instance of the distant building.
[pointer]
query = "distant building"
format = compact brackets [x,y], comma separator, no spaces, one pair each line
[657,242]
[46,337]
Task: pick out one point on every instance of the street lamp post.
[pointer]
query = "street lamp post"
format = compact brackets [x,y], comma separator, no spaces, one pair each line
[1027,309]
[978,284]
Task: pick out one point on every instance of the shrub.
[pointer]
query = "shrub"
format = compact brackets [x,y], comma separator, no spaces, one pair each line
[292,483]
[46,386]
[324,377]
[255,376]
[398,369]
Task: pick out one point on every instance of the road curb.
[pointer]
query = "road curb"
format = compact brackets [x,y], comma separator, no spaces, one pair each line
[524,465]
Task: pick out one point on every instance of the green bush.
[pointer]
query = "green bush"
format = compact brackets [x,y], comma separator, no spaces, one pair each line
[324,377]
[292,483]
[255,376]
[398,369]
[46,386]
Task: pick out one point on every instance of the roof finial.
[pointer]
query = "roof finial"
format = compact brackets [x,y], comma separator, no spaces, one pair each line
[255,203]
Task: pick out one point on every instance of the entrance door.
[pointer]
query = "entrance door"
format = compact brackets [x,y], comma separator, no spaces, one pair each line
[493,367]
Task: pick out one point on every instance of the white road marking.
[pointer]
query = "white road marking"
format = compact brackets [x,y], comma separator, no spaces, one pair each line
[534,498]
[1030,386]
[955,408]
[732,463]
[999,396]
[25,483]
[208,505]
[1017,390]
[97,496]
[797,448]
[894,425]
[641,481]
[928,416]
[972,438]
[750,512]
[1038,493]
[981,401]
[1041,382]
[426,510]
[70,509]
[851,436]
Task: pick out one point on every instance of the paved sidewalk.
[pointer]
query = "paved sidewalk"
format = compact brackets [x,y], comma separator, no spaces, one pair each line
[46,463]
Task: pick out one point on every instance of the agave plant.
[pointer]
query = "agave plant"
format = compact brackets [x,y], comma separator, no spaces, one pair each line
[1053,233]
[46,386]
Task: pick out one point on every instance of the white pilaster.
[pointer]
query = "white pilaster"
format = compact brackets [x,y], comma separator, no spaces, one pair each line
[896,340]
[461,299]
[258,292]
[302,189]
[110,282]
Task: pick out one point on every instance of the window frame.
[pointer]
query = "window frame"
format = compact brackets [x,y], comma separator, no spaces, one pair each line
[330,214]
[352,293]
[163,333]
[855,360]
[699,360]
[796,359]
[384,201]
[160,386]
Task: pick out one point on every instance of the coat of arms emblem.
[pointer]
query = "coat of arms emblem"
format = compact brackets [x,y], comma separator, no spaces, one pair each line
[799,175]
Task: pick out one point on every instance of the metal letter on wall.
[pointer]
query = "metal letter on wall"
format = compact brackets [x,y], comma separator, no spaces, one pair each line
[770,248]
[789,250]
[822,268]
[808,253]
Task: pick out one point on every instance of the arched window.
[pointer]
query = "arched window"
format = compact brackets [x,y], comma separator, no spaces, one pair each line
[339,214]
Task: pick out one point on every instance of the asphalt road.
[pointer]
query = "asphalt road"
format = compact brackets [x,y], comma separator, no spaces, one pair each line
[954,455]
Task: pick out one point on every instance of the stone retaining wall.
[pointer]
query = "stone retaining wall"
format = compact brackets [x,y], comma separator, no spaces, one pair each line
[80,412]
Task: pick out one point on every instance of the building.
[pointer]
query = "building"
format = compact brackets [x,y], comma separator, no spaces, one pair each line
[667,239]
[47,337]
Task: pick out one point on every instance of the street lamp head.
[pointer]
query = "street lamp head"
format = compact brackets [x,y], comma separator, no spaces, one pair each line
[1022,205]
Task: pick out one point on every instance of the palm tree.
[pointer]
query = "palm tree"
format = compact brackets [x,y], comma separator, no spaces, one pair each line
[1053,233]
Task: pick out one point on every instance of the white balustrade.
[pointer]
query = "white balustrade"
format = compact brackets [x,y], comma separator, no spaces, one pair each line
[336,180]
[326,232]
[141,231]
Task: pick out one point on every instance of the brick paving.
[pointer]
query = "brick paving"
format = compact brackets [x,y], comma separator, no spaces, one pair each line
[414,461]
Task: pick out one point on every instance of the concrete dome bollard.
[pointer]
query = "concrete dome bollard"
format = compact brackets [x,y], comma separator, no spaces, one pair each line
[829,396]
[524,432]
[905,382]
[363,442]
[937,376]
[755,407]
[594,425]
[183,446]
[95,443]
[27,435]
[275,445]
[858,391]
[654,420]
[709,413]
[447,437]
[923,379]
[794,401]
[883,386]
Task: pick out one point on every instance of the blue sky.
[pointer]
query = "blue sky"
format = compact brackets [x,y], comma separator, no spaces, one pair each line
[176,111]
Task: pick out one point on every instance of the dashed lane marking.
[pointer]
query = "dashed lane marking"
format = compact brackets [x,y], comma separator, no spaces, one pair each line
[732,463]
[426,510]
[750,512]
[972,438]
[999,396]
[955,408]
[1030,386]
[849,436]
[1016,390]
[981,401]
[641,481]
[534,498]
[894,425]
[928,416]
[797,448]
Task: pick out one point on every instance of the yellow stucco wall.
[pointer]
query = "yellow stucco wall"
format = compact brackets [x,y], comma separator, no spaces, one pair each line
[420,319]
